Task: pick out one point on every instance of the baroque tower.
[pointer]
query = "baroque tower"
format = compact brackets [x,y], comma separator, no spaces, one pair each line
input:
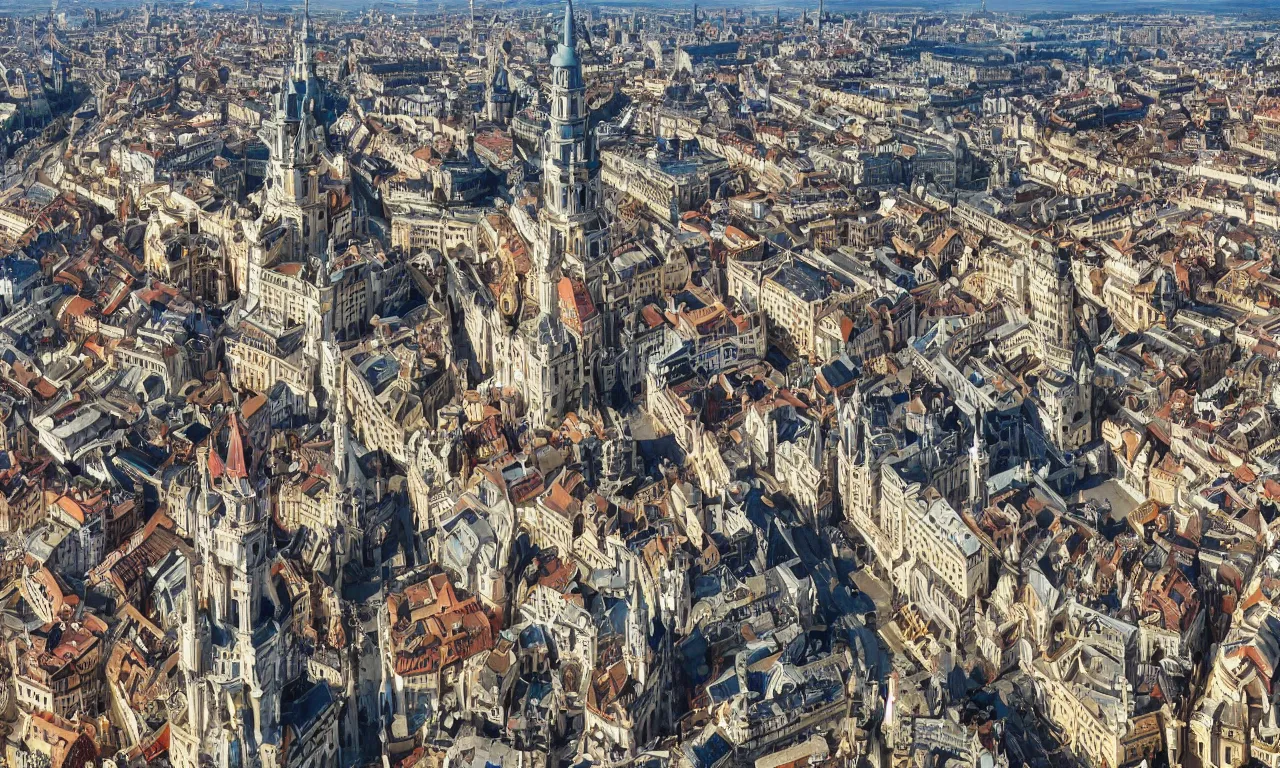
[571,241]
[296,138]
[979,465]
[570,225]
[1052,298]
[230,639]
[499,100]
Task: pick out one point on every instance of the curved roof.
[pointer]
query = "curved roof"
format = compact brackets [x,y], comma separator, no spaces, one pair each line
[566,54]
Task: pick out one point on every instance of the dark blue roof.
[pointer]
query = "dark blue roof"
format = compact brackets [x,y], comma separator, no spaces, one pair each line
[616,617]
[705,585]
[306,708]
[724,689]
[693,654]
[839,372]
[711,751]
[532,636]
[18,269]
[689,300]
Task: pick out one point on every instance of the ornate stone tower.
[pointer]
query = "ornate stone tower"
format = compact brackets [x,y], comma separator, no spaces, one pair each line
[232,640]
[570,221]
[979,465]
[499,101]
[296,138]
[1052,298]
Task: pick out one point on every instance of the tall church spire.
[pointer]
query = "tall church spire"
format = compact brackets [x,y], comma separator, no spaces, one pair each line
[302,62]
[979,465]
[571,240]
[568,145]
[296,136]
[572,228]
[566,55]
[569,34]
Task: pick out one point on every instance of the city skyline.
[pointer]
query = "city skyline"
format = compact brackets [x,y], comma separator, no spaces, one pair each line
[501,385]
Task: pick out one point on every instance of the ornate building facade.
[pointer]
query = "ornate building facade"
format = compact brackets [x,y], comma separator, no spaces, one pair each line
[550,363]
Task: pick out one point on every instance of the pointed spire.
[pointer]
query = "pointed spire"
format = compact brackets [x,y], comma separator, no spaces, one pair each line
[305,39]
[569,32]
[216,467]
[566,53]
[235,452]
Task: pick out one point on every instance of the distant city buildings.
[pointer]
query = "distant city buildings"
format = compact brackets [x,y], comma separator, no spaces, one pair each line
[650,388]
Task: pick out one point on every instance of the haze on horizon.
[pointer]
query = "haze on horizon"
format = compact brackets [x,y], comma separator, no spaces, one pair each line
[1028,7]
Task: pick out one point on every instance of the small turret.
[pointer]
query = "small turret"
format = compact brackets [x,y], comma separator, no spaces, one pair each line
[979,463]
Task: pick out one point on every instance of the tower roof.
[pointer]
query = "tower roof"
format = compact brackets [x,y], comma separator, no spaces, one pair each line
[216,467]
[235,452]
[499,81]
[569,40]
[566,53]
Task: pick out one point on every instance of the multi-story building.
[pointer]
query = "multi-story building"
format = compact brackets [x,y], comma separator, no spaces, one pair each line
[794,297]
